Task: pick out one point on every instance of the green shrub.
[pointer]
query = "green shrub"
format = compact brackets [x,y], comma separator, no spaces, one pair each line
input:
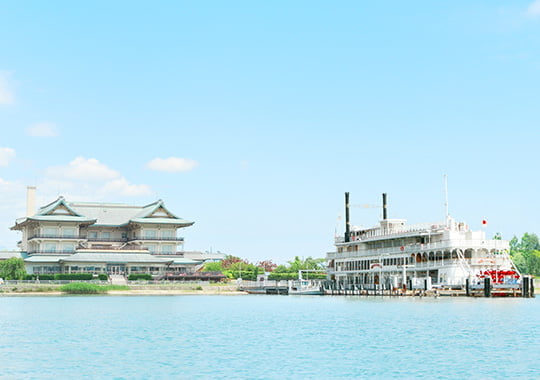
[73,276]
[139,276]
[294,276]
[102,277]
[82,288]
[39,276]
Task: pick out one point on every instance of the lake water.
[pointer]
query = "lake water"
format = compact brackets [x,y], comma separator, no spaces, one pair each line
[268,337]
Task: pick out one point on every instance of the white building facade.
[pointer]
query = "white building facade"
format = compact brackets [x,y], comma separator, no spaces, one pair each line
[105,238]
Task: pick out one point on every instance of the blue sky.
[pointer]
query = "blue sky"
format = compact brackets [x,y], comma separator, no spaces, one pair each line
[253,118]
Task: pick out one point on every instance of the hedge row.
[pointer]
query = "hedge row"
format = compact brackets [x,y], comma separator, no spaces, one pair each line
[139,276]
[294,276]
[66,276]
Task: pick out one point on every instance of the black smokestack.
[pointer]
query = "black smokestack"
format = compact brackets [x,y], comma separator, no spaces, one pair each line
[384,216]
[347,222]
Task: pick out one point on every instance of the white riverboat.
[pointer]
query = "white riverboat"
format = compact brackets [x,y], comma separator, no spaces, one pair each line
[304,286]
[394,255]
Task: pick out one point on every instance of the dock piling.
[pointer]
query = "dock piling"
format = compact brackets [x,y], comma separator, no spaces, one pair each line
[487,287]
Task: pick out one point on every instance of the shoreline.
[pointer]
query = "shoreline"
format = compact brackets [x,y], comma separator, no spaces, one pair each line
[48,290]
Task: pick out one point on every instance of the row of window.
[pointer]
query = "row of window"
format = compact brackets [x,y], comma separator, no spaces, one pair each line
[67,247]
[147,234]
[165,249]
[70,232]
[53,247]
[371,264]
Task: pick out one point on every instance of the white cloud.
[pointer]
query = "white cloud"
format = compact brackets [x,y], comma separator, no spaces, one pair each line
[88,179]
[6,154]
[83,169]
[171,164]
[6,95]
[534,9]
[42,130]
[122,187]
[12,206]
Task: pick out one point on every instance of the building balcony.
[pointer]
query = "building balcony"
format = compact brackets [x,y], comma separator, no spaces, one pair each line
[168,239]
[56,236]
[51,252]
[167,253]
[107,240]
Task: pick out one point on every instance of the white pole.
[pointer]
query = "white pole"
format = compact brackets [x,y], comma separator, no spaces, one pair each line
[446,198]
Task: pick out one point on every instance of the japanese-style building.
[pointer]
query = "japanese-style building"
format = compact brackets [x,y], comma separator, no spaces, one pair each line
[105,238]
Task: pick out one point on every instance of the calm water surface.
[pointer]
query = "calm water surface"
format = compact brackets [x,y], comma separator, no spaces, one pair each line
[268,337]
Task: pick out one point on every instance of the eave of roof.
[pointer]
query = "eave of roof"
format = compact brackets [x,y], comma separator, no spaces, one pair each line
[115,257]
[178,222]
[52,218]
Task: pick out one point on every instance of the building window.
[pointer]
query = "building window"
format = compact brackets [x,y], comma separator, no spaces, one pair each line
[150,234]
[166,234]
[106,235]
[50,247]
[50,231]
[167,249]
[92,235]
[151,248]
[69,232]
[68,247]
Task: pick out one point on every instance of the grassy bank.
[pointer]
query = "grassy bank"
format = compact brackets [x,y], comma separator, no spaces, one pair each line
[87,288]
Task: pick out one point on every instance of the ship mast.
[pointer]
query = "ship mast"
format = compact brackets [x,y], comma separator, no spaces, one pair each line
[447,215]
[347,221]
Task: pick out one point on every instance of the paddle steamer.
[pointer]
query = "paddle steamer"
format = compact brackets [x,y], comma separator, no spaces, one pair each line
[394,255]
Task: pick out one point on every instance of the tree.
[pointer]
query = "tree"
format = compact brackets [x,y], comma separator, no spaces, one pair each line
[229,260]
[267,265]
[309,263]
[215,266]
[12,269]
[525,254]
[529,242]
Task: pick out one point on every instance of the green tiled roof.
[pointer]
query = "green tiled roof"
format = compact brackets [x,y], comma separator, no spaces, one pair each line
[187,261]
[43,259]
[105,214]
[114,257]
[180,222]
[47,209]
[110,214]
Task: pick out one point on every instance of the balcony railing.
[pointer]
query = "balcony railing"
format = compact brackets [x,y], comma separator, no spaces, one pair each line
[109,239]
[56,236]
[52,252]
[146,238]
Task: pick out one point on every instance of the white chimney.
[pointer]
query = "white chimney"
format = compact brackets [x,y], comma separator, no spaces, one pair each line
[30,200]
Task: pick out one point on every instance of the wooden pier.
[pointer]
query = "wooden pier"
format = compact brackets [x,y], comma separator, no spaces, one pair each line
[485,289]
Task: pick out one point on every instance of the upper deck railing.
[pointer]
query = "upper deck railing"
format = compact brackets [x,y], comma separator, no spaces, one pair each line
[393,231]
[415,248]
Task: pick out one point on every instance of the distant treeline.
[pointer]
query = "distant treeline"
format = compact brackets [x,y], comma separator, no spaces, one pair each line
[525,253]
[235,267]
